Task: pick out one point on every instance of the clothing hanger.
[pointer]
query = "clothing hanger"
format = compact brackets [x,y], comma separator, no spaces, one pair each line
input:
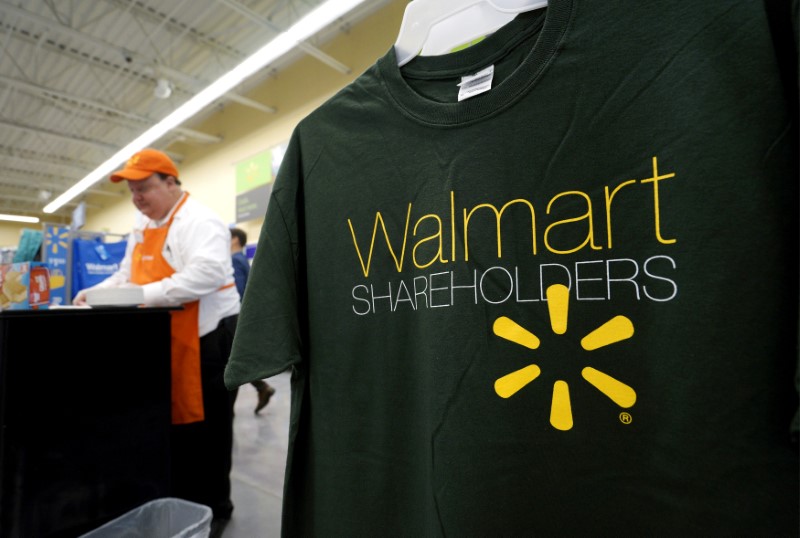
[432,27]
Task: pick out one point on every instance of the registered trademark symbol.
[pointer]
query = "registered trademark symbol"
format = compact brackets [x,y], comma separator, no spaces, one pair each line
[625,418]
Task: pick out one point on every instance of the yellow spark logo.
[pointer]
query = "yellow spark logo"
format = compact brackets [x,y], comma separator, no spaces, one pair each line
[614,330]
[56,240]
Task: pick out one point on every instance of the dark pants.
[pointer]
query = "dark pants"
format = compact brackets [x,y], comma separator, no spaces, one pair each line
[202,451]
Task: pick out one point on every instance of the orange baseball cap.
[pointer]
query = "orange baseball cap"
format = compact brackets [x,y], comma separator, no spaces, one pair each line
[144,164]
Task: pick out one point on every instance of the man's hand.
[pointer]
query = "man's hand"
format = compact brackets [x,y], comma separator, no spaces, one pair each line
[80,299]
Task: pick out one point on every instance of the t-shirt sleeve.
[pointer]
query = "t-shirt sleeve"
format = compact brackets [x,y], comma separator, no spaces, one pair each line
[268,335]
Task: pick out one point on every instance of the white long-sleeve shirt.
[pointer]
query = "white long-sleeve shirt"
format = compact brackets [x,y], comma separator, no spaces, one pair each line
[198,248]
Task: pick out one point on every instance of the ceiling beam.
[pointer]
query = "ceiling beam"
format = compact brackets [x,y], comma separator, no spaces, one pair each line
[104,45]
[18,180]
[23,198]
[134,6]
[57,95]
[196,85]
[40,157]
[20,177]
[71,137]
[309,49]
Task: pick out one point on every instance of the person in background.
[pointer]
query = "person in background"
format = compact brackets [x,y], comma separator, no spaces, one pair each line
[178,253]
[241,270]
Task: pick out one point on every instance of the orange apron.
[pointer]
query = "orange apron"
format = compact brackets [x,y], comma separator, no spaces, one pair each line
[148,265]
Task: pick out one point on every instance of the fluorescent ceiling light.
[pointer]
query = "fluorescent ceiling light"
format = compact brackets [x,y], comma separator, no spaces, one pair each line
[19,218]
[303,29]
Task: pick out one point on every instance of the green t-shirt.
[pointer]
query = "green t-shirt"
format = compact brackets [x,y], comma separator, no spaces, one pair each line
[565,306]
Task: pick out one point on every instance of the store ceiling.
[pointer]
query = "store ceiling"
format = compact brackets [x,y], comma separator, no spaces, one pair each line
[78,80]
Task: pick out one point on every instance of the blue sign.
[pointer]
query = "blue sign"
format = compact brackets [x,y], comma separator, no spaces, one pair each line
[55,254]
[93,261]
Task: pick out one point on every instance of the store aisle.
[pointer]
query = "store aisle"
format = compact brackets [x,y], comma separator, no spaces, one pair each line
[259,458]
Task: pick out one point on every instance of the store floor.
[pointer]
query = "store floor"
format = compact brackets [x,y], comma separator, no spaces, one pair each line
[259,458]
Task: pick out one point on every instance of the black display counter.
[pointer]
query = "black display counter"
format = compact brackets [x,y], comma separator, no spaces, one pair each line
[84,417]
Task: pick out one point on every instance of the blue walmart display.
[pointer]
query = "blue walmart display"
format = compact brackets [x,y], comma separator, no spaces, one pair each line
[93,261]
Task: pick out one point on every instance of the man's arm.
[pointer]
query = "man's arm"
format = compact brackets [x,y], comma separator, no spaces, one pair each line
[199,251]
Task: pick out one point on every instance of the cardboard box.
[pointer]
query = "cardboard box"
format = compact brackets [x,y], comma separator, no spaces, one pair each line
[24,286]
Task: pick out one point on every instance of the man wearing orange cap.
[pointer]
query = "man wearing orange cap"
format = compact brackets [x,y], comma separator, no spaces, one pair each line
[179,253]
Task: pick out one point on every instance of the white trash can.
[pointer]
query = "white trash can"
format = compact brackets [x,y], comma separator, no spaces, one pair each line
[161,518]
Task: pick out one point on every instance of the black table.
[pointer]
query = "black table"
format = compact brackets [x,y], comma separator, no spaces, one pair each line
[84,417]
